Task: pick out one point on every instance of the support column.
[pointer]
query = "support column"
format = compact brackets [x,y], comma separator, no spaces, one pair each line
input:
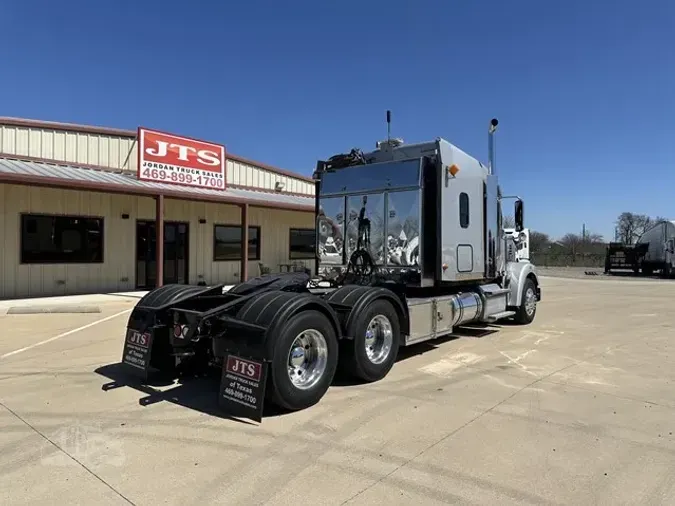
[159,229]
[244,242]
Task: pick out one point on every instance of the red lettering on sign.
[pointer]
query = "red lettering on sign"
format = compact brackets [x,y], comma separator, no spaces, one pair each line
[243,368]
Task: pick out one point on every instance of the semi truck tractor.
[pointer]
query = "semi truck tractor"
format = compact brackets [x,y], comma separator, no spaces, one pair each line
[410,246]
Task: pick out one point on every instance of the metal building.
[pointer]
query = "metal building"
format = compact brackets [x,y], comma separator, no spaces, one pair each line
[76,217]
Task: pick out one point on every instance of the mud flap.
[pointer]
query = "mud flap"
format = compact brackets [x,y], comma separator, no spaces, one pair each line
[137,351]
[242,387]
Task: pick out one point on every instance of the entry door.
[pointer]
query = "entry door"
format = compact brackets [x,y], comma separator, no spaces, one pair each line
[175,254]
[462,229]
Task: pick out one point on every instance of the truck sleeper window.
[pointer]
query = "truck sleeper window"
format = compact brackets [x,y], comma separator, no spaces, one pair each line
[463,210]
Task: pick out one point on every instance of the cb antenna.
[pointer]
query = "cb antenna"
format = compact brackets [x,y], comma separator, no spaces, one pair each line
[388,126]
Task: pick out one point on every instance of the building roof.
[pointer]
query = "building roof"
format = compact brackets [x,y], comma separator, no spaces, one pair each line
[119,132]
[16,171]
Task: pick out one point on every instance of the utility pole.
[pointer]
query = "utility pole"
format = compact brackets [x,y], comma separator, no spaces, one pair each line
[583,232]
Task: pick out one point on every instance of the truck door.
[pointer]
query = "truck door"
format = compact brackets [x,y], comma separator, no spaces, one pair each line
[462,247]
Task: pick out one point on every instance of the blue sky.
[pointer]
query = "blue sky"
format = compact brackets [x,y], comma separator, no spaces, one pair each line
[584,90]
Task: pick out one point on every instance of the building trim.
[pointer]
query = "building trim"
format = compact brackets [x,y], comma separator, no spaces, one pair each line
[131,134]
[50,161]
[145,191]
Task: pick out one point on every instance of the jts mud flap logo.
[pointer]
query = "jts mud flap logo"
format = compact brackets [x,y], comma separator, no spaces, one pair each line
[243,368]
[139,339]
[137,349]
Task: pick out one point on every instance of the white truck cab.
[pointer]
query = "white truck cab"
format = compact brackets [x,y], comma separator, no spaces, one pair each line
[517,244]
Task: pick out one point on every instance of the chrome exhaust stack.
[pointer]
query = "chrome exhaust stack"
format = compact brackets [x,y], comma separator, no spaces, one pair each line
[491,146]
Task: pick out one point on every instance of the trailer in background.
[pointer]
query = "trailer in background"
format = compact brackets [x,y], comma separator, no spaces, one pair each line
[654,251]
[659,249]
[621,257]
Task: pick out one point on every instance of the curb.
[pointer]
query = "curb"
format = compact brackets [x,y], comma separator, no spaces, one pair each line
[60,309]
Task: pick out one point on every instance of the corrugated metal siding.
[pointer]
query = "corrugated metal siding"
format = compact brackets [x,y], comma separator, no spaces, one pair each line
[118,272]
[275,236]
[7,277]
[112,151]
[248,175]
[72,147]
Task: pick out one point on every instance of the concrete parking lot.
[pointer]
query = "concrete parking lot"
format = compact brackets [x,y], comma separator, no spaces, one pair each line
[577,408]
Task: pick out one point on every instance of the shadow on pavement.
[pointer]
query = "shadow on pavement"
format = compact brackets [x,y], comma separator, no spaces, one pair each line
[196,393]
[200,393]
[415,350]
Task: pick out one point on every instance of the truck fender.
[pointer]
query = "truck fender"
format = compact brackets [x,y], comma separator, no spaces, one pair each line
[517,273]
[369,295]
[274,308]
[150,314]
[164,296]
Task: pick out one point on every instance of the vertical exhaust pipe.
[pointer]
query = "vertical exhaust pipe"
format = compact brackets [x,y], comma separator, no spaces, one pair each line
[493,224]
[492,169]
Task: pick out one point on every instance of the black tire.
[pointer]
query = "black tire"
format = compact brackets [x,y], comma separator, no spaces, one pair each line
[666,272]
[353,355]
[282,391]
[522,316]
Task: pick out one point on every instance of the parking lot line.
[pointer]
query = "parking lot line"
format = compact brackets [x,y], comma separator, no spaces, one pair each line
[64,334]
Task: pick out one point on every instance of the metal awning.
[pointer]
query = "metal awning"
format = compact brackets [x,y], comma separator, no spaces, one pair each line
[34,173]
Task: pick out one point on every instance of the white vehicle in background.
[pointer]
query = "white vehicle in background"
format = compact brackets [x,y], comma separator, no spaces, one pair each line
[517,244]
[658,244]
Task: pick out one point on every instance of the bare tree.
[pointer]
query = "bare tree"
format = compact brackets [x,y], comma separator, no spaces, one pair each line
[627,225]
[571,242]
[539,241]
[593,238]
[631,226]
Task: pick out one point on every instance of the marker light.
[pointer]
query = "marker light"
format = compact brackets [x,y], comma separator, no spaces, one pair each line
[453,170]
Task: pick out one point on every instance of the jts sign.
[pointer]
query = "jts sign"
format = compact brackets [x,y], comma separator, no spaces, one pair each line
[244,368]
[242,387]
[166,158]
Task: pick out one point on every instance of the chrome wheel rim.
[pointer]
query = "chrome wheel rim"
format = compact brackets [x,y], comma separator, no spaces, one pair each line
[307,359]
[379,339]
[530,301]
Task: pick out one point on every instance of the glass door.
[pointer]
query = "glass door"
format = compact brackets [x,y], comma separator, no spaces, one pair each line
[176,253]
[146,254]
[176,257]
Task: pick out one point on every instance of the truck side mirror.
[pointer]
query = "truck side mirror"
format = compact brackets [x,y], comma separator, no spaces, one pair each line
[518,212]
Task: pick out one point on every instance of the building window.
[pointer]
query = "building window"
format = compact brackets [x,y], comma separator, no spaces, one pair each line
[302,243]
[463,210]
[52,239]
[227,243]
